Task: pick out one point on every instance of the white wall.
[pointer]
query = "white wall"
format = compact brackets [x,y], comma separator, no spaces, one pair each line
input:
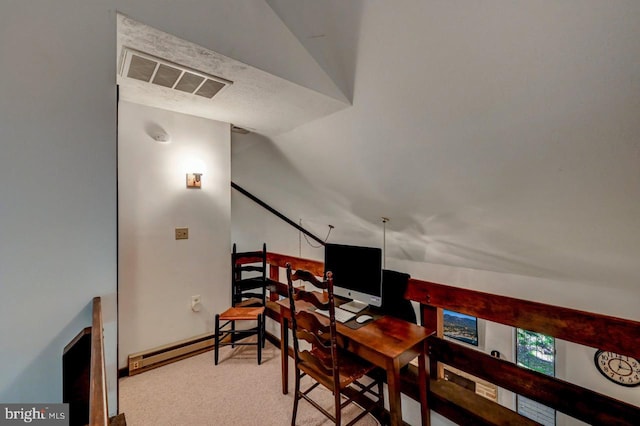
[158,274]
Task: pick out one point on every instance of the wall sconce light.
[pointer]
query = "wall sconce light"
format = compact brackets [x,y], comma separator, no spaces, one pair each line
[194,180]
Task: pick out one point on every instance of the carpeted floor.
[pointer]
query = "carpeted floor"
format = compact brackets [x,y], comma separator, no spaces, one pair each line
[236,392]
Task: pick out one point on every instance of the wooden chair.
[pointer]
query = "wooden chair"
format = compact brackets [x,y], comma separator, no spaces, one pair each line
[249,290]
[227,334]
[248,298]
[394,285]
[327,362]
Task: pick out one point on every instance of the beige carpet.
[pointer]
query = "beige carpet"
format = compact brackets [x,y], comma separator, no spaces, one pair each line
[236,392]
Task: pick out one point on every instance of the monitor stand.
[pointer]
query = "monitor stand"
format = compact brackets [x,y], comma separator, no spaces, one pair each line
[354,306]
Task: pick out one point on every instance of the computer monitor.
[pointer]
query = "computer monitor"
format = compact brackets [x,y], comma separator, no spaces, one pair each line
[357,274]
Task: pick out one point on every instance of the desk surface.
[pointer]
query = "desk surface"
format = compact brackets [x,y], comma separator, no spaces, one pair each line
[387,335]
[387,342]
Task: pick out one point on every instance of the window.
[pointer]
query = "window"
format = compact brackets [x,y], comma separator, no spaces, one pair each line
[537,352]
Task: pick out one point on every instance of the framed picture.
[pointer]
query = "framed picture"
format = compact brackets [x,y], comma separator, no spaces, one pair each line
[461,327]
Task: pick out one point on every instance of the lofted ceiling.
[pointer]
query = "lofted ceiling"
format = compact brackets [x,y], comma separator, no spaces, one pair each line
[497,137]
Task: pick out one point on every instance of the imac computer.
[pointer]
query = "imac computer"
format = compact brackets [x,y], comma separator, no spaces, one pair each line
[357,274]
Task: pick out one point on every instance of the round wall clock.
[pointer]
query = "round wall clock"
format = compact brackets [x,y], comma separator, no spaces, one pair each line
[621,369]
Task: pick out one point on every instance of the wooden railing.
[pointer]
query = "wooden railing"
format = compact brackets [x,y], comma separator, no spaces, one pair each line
[590,329]
[84,375]
[464,406]
[98,411]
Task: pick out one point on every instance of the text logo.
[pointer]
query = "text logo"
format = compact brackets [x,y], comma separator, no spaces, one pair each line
[34,414]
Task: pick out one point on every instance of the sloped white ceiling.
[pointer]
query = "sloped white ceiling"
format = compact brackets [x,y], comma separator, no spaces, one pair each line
[268,102]
[496,136]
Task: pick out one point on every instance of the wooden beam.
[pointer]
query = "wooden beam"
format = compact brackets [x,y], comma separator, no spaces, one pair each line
[467,408]
[587,328]
[280,260]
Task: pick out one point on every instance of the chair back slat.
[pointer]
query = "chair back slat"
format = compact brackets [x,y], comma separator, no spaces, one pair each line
[310,323]
[249,268]
[322,365]
[249,256]
[316,341]
[311,298]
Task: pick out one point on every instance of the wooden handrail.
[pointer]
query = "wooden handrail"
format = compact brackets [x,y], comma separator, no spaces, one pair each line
[274,211]
[280,260]
[98,411]
[586,328]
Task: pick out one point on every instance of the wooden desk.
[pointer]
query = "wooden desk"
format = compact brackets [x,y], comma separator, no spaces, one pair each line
[388,342]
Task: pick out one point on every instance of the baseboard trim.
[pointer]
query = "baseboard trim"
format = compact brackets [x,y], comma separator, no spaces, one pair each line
[204,346]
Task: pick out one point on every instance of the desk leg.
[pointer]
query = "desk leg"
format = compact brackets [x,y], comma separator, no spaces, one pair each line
[423,382]
[393,386]
[284,354]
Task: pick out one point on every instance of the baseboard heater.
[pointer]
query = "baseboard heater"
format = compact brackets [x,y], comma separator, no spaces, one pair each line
[162,355]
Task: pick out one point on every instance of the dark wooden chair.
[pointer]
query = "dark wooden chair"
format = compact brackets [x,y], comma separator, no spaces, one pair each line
[394,285]
[327,362]
[249,277]
[248,298]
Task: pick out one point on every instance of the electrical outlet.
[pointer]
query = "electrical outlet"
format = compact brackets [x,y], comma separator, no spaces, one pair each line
[182,233]
[195,303]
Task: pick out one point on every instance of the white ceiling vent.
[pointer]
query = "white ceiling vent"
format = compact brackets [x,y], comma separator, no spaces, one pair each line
[150,69]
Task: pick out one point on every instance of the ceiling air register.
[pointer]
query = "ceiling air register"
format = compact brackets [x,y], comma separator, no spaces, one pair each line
[148,68]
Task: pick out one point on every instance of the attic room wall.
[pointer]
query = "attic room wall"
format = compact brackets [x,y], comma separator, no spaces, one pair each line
[158,274]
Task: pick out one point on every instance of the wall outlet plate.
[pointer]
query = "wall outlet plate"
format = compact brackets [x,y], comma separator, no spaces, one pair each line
[182,233]
[195,303]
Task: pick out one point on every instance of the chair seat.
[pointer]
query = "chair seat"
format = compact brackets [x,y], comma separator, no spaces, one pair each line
[227,334]
[242,313]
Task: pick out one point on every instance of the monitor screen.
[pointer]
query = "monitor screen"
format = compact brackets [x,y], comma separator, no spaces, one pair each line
[357,272]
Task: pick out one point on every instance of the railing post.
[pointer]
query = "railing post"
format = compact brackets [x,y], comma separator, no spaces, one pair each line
[98,410]
[429,319]
[274,275]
